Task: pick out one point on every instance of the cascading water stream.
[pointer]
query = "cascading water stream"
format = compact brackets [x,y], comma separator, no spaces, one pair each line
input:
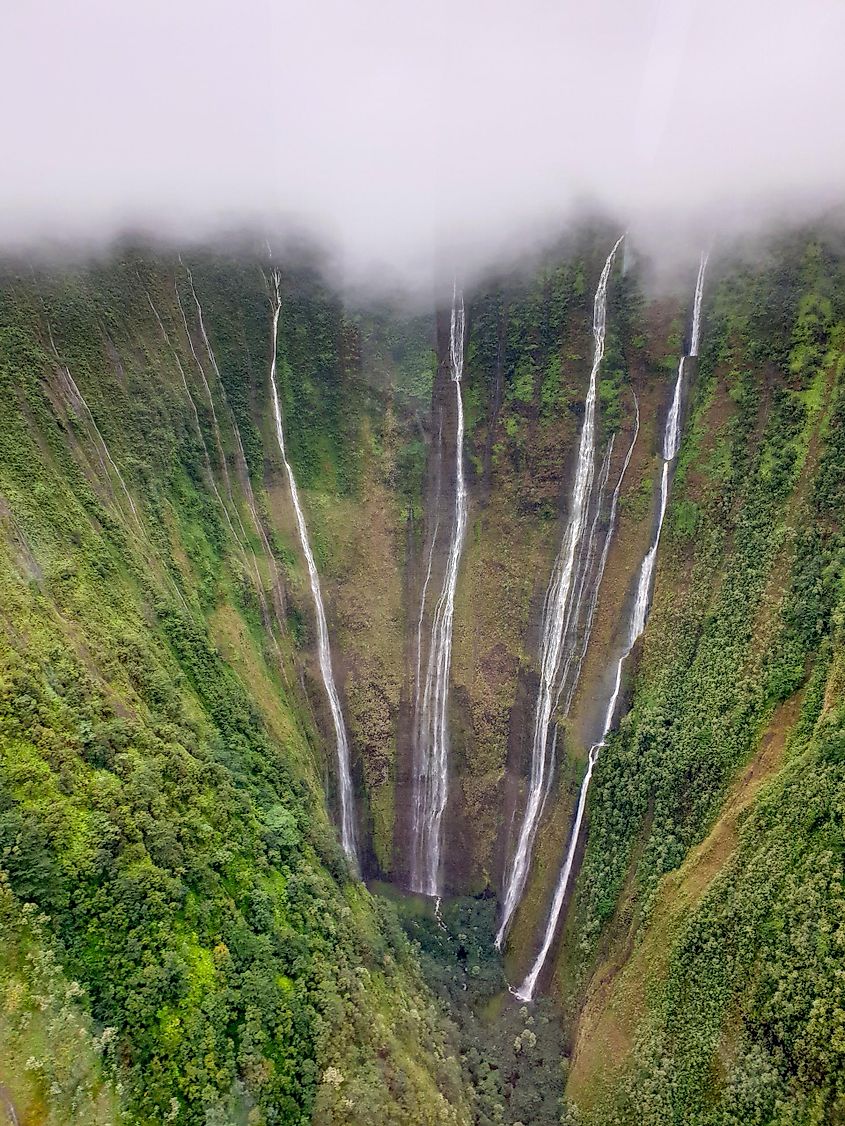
[417,682]
[594,593]
[636,625]
[242,540]
[431,773]
[561,610]
[422,610]
[347,812]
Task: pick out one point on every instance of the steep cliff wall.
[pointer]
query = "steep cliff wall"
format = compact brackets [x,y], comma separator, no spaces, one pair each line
[168,785]
[163,798]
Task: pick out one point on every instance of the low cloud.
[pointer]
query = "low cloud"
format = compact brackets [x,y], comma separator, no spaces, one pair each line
[403,134]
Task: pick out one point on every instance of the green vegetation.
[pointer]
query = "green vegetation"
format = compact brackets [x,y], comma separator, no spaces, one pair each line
[53,1064]
[163,815]
[510,1054]
[180,937]
[738,1023]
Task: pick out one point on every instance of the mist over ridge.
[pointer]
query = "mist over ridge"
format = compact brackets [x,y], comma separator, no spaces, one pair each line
[403,139]
[422,564]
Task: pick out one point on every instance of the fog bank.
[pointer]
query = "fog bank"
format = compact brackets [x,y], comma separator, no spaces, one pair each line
[402,135]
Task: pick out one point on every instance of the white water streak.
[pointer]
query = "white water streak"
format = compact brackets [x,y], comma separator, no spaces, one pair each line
[417,683]
[696,316]
[347,812]
[559,622]
[431,774]
[594,596]
[583,571]
[244,474]
[636,625]
[422,612]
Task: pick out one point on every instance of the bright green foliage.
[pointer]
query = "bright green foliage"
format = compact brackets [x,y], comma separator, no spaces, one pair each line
[52,1063]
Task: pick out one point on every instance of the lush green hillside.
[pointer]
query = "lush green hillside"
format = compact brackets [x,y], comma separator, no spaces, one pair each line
[718,973]
[182,938]
[162,805]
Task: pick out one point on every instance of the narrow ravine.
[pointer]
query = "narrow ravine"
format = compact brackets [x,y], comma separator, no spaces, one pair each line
[431,743]
[636,625]
[562,620]
[348,835]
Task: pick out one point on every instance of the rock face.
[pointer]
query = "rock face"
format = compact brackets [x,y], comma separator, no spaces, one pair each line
[169,791]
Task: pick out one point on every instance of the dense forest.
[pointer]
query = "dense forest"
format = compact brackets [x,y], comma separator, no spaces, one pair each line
[182,939]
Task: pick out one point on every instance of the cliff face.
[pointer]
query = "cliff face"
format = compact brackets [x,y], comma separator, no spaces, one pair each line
[164,772]
[168,772]
[707,892]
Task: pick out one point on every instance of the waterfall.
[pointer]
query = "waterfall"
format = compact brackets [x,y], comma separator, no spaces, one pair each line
[636,625]
[242,463]
[561,611]
[422,611]
[696,315]
[347,812]
[596,584]
[431,767]
[242,540]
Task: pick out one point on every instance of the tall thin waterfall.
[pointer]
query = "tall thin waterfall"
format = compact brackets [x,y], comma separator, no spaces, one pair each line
[559,634]
[599,575]
[431,765]
[636,625]
[344,776]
